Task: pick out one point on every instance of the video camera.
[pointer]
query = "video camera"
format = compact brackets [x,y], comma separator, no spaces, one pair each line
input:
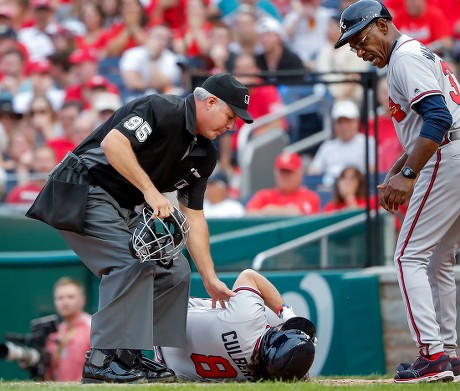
[29,349]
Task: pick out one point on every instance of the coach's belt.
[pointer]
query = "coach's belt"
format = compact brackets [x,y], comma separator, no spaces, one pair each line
[454,135]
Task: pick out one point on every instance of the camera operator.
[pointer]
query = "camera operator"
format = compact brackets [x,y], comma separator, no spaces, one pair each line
[68,345]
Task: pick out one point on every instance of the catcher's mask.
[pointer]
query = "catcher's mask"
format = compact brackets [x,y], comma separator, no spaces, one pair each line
[285,354]
[160,239]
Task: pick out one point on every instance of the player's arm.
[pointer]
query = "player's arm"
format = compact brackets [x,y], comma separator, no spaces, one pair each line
[437,120]
[270,294]
[199,249]
[120,154]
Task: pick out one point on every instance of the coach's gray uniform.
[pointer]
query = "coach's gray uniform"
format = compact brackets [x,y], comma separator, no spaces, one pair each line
[430,234]
[140,304]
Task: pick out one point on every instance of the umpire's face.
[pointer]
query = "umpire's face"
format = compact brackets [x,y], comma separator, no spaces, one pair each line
[214,117]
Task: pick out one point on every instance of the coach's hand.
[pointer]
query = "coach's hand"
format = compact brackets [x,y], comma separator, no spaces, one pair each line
[218,291]
[395,192]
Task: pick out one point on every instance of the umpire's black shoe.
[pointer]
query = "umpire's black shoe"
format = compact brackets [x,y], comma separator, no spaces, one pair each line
[106,368]
[154,371]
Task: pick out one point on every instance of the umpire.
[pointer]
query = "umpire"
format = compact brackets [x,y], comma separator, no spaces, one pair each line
[151,145]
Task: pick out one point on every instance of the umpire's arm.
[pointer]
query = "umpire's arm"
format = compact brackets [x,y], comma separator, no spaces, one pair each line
[199,249]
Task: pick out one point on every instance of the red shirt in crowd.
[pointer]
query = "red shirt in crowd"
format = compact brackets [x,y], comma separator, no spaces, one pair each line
[360,203]
[25,194]
[264,100]
[306,200]
[428,28]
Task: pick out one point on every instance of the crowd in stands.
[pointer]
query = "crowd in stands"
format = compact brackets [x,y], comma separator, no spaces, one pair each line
[67,65]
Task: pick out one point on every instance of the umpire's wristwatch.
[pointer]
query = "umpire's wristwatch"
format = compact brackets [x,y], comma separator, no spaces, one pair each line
[408,173]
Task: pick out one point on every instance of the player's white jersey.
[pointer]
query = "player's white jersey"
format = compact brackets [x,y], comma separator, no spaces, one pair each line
[415,72]
[220,342]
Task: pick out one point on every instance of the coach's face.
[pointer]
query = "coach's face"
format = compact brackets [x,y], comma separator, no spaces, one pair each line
[217,117]
[374,44]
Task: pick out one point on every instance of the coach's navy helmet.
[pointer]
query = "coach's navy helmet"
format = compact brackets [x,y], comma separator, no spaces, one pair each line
[357,16]
[285,354]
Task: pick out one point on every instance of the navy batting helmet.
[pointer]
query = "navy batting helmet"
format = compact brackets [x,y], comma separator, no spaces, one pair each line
[160,239]
[357,16]
[285,354]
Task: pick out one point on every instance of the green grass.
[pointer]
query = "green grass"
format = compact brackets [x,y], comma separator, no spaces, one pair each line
[362,384]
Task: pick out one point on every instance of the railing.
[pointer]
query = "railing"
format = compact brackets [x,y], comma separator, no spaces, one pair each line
[322,235]
[318,96]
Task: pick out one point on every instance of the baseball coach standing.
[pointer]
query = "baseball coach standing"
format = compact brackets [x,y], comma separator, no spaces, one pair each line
[151,145]
[424,99]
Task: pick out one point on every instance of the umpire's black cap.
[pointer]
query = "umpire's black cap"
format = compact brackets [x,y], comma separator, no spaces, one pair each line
[232,92]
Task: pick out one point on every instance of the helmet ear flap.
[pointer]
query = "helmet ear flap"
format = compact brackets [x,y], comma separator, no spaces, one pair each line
[302,324]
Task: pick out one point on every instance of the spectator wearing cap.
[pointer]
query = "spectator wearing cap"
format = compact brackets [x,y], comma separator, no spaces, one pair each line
[84,66]
[348,148]
[96,86]
[129,32]
[288,197]
[217,202]
[37,38]
[41,83]
[276,55]
[104,105]
[151,67]
[306,28]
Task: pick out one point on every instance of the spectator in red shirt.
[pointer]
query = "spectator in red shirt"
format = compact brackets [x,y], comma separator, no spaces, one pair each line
[264,99]
[68,345]
[92,17]
[193,41]
[129,32]
[43,161]
[425,23]
[349,191]
[84,68]
[288,197]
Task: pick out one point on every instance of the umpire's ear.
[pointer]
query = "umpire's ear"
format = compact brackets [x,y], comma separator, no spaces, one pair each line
[302,324]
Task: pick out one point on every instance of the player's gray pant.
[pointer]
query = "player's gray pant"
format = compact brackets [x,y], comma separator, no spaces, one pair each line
[140,304]
[425,253]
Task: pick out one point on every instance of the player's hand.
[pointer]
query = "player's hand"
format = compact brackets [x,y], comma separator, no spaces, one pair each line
[159,204]
[218,292]
[395,192]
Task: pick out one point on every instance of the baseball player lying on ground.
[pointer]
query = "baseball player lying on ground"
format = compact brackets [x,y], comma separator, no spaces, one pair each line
[238,343]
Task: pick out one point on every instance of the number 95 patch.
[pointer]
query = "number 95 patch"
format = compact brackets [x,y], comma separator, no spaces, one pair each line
[140,128]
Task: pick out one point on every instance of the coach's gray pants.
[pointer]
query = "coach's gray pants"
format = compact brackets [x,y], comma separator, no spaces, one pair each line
[140,304]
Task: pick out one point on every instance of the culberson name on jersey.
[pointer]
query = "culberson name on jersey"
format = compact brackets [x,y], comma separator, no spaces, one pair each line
[233,349]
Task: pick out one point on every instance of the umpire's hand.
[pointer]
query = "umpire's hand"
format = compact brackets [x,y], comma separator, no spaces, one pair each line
[218,291]
[160,205]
